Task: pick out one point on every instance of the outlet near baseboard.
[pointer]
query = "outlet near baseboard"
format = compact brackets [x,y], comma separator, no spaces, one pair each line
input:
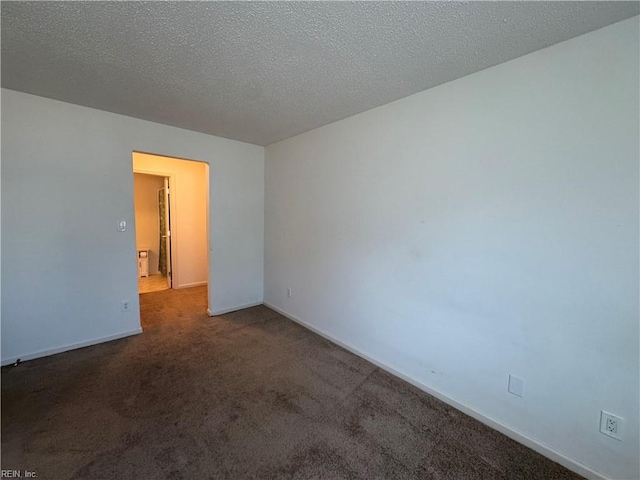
[611,425]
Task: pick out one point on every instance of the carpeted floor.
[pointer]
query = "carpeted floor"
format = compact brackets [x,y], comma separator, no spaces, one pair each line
[245,395]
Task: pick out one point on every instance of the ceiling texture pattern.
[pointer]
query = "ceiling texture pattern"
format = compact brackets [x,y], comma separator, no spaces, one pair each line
[261,72]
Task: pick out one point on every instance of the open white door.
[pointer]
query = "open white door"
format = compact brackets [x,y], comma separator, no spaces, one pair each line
[167,233]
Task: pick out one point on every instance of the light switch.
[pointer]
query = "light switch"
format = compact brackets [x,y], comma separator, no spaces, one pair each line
[122,226]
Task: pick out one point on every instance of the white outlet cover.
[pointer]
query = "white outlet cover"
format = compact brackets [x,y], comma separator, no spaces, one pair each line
[604,427]
[516,386]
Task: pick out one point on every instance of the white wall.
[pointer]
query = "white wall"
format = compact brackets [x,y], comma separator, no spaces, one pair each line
[65,267]
[145,194]
[188,215]
[484,227]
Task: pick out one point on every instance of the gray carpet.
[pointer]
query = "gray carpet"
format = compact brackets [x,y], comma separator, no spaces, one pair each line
[245,395]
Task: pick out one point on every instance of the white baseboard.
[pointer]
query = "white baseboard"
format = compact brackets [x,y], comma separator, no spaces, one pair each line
[71,346]
[232,309]
[510,432]
[189,285]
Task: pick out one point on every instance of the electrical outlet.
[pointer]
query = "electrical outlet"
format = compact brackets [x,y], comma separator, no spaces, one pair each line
[288,293]
[611,425]
[125,305]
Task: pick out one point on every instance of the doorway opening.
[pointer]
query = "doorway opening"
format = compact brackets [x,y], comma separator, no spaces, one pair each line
[152,196]
[171,199]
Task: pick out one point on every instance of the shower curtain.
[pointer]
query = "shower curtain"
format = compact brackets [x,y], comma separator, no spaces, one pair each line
[162,257]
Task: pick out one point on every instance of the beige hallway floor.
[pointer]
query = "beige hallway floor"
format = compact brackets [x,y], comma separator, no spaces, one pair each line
[152,283]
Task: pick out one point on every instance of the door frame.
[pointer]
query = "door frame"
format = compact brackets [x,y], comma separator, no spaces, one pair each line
[173,212]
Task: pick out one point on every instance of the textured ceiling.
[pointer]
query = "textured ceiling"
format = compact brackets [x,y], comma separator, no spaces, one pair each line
[261,72]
